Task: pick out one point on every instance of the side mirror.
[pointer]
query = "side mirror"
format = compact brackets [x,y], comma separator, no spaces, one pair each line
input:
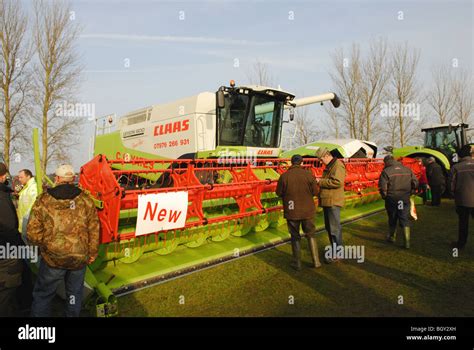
[450,129]
[220,99]
[292,114]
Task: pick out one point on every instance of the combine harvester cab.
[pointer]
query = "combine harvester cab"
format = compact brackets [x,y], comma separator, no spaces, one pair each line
[190,184]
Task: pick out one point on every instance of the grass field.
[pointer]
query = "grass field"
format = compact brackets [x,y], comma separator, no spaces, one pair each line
[429,279]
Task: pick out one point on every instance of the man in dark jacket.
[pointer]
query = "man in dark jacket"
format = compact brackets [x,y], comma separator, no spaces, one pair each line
[462,186]
[436,181]
[297,187]
[396,184]
[10,269]
[331,197]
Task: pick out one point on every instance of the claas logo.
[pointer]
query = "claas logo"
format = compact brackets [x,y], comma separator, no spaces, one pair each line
[265,152]
[170,128]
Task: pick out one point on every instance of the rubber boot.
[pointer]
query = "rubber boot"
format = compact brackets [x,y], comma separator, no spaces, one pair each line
[313,248]
[296,248]
[406,231]
[391,237]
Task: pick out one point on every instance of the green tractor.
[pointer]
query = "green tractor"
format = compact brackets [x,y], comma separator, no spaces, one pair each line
[443,142]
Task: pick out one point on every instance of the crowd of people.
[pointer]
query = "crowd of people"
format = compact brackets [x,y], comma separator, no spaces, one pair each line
[397,184]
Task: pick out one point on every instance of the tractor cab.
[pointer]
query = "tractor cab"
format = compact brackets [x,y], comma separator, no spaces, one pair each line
[448,138]
[250,116]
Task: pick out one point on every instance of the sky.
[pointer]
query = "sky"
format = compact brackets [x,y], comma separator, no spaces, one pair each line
[140,53]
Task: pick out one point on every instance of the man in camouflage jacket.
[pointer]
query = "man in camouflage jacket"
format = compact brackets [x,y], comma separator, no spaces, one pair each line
[64,224]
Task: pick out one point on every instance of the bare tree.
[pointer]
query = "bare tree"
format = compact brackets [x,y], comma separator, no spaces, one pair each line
[463,103]
[303,130]
[347,79]
[390,131]
[15,54]
[375,75]
[404,90]
[333,121]
[440,97]
[57,76]
[306,126]
[259,74]
[360,83]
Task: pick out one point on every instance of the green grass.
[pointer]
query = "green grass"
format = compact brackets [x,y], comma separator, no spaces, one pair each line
[431,281]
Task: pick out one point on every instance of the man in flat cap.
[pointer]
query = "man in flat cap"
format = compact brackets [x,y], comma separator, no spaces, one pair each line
[297,186]
[331,197]
[64,224]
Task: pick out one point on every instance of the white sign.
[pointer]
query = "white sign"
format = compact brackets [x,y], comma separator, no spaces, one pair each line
[161,211]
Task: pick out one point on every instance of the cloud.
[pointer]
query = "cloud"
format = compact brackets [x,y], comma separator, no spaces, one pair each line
[177,39]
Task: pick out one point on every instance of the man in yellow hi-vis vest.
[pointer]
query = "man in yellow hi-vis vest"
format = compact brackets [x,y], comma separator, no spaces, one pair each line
[27,195]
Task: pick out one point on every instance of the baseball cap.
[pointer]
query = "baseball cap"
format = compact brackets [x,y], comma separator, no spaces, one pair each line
[65,171]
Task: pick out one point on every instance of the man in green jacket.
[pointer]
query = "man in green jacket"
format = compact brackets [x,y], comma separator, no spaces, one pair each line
[297,186]
[331,197]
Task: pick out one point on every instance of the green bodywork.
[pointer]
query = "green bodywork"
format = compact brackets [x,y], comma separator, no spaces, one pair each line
[420,151]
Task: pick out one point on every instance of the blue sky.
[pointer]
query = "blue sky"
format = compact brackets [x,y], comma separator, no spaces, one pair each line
[172,58]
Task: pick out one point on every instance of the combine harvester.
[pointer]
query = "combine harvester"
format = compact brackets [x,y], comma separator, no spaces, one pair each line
[189,184]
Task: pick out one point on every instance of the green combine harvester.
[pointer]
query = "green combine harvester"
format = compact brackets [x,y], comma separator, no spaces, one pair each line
[189,184]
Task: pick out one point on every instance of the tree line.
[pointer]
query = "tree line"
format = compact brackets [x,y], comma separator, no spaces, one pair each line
[39,69]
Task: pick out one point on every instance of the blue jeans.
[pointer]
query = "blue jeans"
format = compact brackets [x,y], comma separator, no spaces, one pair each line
[332,223]
[47,282]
